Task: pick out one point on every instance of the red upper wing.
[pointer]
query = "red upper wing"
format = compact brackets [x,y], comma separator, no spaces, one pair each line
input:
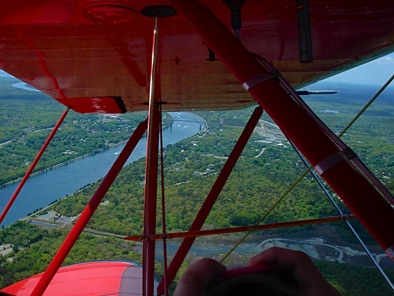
[95,56]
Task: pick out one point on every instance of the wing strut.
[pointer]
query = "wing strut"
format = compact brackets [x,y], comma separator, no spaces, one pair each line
[151,170]
[33,165]
[348,177]
[89,210]
[211,198]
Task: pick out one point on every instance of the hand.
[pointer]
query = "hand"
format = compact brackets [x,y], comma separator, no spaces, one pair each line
[311,281]
[196,278]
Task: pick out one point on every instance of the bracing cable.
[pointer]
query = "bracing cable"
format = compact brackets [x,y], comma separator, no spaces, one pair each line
[163,205]
[340,212]
[305,172]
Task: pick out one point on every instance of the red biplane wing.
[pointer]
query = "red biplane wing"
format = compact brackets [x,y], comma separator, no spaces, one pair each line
[92,278]
[110,56]
[94,56]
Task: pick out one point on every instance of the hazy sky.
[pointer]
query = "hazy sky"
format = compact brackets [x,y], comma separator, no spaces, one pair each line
[375,72]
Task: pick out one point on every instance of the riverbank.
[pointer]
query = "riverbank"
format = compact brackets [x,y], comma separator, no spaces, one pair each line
[43,171]
[66,178]
[167,123]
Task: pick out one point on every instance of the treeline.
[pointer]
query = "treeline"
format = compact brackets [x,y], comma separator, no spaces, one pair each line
[34,248]
[355,279]
[254,186]
[256,183]
[262,176]
[27,118]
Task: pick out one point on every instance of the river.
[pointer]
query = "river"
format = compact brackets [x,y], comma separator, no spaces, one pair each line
[43,189]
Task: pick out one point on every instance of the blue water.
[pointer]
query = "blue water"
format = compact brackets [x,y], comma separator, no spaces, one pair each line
[41,190]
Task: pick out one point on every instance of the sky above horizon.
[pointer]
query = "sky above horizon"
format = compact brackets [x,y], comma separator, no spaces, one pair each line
[376,72]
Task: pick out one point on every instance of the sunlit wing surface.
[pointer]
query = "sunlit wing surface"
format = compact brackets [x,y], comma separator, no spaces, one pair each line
[94,278]
[94,56]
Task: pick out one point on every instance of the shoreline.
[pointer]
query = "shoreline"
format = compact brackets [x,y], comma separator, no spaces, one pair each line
[61,164]
[109,146]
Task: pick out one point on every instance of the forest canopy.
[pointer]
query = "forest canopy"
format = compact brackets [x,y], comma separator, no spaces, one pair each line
[267,168]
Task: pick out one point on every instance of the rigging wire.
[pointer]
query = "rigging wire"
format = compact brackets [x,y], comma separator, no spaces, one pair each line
[163,208]
[305,172]
[336,139]
[367,105]
[338,209]
[33,165]
[242,239]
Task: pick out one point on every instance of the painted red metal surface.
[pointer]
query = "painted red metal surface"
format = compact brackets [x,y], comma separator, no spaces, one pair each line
[93,278]
[32,166]
[243,229]
[95,105]
[87,54]
[308,135]
[151,168]
[88,211]
[79,50]
[150,201]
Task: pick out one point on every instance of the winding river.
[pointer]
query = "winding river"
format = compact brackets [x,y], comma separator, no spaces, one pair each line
[41,190]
